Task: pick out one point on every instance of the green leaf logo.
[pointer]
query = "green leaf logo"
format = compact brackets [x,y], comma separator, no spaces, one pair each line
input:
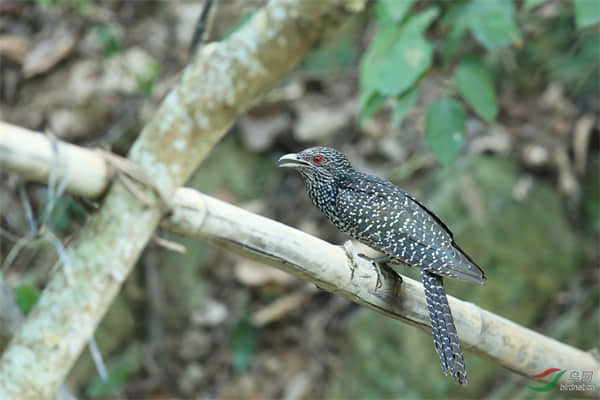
[550,385]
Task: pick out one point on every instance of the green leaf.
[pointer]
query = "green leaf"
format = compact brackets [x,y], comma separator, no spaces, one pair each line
[445,128]
[65,211]
[493,25]
[49,2]
[382,16]
[452,41]
[408,59]
[328,60]
[592,194]
[579,71]
[121,369]
[117,379]
[492,22]
[475,84]
[456,22]
[403,104]
[243,338]
[418,23]
[529,4]
[387,38]
[395,59]
[370,64]
[587,13]
[107,38]
[336,53]
[396,9]
[145,82]
[371,105]
[26,297]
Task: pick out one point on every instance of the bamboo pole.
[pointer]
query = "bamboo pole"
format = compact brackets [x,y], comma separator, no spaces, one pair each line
[503,342]
[221,82]
[87,173]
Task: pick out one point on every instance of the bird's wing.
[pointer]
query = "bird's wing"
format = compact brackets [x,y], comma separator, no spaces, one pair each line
[377,206]
[388,219]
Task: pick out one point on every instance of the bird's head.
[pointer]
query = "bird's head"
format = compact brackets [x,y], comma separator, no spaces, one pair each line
[317,162]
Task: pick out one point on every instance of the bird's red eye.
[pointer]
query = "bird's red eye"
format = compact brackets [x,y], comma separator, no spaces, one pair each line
[317,159]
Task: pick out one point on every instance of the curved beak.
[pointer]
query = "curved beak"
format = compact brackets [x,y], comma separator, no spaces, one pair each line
[292,160]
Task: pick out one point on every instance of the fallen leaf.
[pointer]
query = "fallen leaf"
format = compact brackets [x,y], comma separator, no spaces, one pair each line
[49,52]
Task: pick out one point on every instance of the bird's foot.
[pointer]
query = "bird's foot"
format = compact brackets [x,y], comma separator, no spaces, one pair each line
[351,253]
[377,263]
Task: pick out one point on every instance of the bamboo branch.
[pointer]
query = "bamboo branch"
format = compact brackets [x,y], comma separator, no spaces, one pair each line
[87,173]
[222,81]
[503,342]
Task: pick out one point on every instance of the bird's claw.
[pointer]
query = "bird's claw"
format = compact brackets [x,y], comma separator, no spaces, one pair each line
[351,253]
[376,262]
[397,282]
[379,275]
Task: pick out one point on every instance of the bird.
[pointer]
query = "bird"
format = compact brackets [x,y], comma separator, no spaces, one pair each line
[390,220]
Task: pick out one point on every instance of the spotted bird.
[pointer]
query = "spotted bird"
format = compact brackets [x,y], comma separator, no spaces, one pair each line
[388,219]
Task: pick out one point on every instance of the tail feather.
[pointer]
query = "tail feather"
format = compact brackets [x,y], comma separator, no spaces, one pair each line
[429,294]
[444,333]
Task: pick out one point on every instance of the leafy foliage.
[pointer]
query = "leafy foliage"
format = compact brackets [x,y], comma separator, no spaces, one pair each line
[371,104]
[405,62]
[109,41]
[117,379]
[475,84]
[243,338]
[120,372]
[530,4]
[400,54]
[66,211]
[49,2]
[26,296]
[587,13]
[492,22]
[579,69]
[445,126]
[403,104]
[396,59]
[145,82]
[556,51]
[396,9]
[337,54]
[592,195]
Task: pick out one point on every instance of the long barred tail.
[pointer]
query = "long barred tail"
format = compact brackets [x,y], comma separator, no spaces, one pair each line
[444,333]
